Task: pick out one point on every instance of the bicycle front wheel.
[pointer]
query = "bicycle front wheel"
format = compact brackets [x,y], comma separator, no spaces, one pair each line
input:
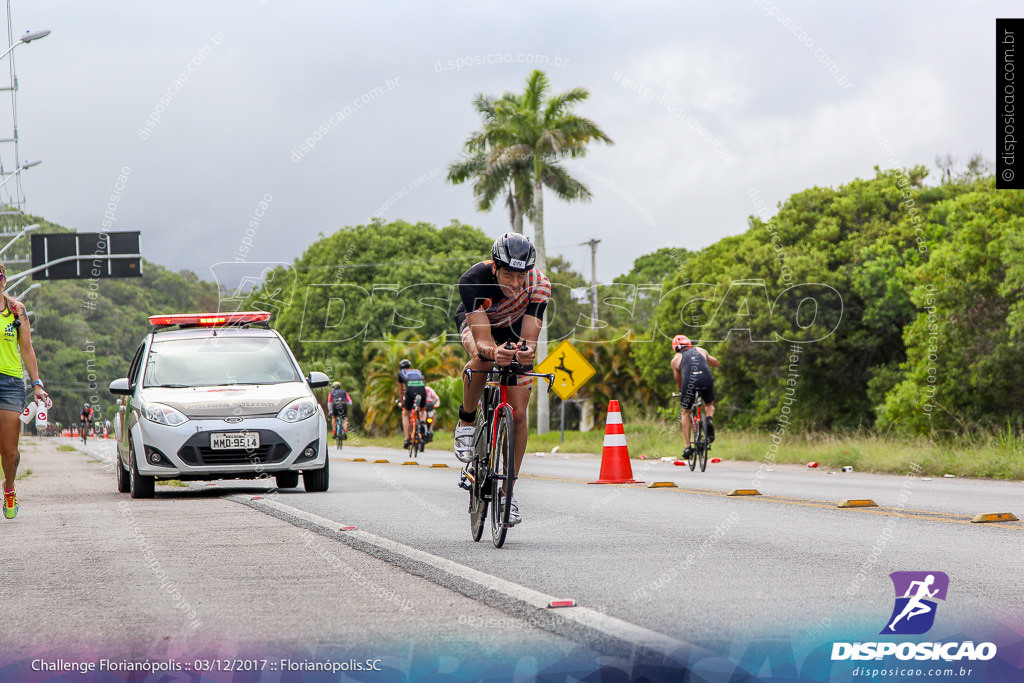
[503,476]
[479,489]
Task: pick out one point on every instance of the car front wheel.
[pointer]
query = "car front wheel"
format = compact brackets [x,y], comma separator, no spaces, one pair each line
[319,480]
[287,480]
[124,480]
[141,486]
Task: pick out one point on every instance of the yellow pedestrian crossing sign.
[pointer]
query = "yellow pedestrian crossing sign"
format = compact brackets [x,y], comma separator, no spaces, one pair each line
[570,368]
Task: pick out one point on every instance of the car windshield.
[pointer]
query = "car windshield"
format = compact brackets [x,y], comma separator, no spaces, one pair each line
[216,361]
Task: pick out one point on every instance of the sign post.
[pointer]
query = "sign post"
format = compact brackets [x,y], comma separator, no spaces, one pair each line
[571,371]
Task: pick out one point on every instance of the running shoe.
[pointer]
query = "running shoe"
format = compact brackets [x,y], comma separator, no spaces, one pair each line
[513,512]
[10,504]
[464,442]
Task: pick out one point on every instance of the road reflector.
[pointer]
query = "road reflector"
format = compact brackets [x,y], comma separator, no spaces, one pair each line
[357,459]
[662,485]
[562,603]
[347,528]
[382,460]
[410,462]
[439,464]
[995,517]
[858,503]
[679,463]
[744,492]
[256,498]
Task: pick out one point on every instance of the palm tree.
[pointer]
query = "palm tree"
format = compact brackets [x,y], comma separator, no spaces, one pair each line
[539,129]
[491,180]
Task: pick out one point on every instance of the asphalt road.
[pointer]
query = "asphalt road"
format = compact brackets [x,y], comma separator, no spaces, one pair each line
[689,564]
[779,564]
[88,573]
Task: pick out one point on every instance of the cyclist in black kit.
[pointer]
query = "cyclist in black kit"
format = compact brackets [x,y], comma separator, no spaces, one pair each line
[411,381]
[692,374]
[502,300]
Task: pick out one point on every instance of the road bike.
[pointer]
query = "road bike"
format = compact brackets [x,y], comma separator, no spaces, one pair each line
[84,431]
[699,443]
[417,430]
[492,472]
[340,433]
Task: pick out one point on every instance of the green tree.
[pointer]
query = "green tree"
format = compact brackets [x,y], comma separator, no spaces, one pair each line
[365,285]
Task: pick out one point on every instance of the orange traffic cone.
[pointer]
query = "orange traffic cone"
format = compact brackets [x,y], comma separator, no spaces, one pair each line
[615,467]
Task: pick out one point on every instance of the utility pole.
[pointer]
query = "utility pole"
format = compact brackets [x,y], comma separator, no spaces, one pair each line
[586,406]
[593,281]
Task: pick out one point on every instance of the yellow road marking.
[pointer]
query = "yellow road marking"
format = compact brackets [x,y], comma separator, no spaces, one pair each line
[925,515]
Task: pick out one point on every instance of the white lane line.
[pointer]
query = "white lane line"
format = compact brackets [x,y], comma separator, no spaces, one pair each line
[617,629]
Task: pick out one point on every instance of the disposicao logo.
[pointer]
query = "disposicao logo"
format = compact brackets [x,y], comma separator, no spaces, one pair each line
[913,613]
[916,595]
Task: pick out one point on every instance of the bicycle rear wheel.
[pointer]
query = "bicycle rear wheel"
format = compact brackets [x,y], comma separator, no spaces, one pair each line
[704,445]
[503,476]
[478,491]
[700,446]
[413,440]
[694,444]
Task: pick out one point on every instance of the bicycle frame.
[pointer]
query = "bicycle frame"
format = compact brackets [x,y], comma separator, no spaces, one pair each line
[489,476]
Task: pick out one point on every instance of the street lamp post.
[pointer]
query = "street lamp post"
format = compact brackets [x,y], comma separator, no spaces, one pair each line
[25,230]
[26,38]
[22,167]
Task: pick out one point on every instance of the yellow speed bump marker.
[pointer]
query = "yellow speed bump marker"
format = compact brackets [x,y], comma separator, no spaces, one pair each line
[357,459]
[439,464]
[995,517]
[858,503]
[410,462]
[744,492]
[382,460]
[662,485]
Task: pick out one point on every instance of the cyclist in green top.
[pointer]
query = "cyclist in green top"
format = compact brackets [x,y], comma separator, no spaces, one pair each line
[16,356]
[411,380]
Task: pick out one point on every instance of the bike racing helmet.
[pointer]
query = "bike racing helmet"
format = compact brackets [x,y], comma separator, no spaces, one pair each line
[680,341]
[336,385]
[405,363]
[514,251]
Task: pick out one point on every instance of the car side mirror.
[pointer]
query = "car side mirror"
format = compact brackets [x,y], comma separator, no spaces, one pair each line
[121,386]
[317,379]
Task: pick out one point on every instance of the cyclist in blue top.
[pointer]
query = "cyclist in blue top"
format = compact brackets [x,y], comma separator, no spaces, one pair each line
[411,380]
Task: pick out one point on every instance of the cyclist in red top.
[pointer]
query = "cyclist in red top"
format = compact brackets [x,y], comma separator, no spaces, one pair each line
[502,300]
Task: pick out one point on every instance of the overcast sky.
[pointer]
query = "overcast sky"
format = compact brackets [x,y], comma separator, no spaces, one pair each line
[711,106]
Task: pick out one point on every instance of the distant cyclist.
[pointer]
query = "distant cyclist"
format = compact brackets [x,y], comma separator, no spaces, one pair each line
[411,385]
[86,419]
[430,411]
[502,300]
[692,374]
[338,401]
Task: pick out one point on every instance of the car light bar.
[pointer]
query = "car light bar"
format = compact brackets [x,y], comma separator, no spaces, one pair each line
[209,319]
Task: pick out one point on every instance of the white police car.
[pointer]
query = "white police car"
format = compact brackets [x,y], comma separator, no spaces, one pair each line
[218,396]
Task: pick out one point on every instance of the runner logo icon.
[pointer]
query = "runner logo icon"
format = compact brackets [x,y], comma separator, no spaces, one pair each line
[916,595]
